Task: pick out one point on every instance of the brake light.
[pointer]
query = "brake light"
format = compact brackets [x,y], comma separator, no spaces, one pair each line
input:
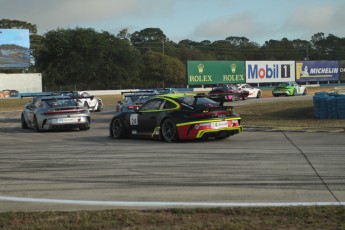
[65,111]
[130,107]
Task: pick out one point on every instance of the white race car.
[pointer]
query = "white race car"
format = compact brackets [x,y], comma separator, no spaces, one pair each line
[253,92]
[91,102]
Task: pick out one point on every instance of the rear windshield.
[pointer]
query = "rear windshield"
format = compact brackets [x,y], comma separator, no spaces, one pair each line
[62,102]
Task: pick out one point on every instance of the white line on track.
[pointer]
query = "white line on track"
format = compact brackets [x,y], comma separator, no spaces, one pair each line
[166,204]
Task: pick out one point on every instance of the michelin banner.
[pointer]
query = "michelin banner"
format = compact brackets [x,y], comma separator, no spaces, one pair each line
[309,71]
[270,71]
[342,70]
[215,72]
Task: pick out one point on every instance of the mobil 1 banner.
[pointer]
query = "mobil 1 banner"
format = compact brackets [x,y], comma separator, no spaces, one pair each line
[215,72]
[311,71]
[342,70]
[270,71]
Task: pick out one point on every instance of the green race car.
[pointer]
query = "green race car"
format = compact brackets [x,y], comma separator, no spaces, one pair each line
[289,89]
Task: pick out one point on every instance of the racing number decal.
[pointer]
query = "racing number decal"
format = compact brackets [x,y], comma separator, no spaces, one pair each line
[285,71]
[134,119]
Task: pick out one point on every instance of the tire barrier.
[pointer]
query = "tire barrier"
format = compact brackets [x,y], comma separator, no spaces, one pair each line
[329,105]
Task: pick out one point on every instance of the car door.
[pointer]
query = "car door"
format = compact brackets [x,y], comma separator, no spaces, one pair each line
[147,116]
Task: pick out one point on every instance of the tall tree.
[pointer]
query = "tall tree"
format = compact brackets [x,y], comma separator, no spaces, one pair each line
[86,58]
[149,39]
[161,70]
[328,48]
[16,24]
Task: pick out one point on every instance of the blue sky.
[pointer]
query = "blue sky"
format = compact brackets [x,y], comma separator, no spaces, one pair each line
[197,20]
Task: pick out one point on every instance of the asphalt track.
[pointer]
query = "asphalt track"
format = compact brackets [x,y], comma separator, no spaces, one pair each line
[74,170]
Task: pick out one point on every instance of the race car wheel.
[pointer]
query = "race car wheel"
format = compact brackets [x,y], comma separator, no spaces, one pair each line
[24,124]
[117,129]
[85,127]
[259,95]
[169,130]
[305,92]
[99,107]
[36,127]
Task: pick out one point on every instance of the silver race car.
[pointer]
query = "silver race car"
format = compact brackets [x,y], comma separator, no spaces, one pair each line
[55,113]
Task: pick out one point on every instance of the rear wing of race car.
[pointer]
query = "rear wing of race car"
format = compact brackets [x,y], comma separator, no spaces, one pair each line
[55,94]
[43,94]
[67,93]
[57,97]
[139,92]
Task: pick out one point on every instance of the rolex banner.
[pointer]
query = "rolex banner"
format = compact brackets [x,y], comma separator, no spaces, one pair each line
[215,72]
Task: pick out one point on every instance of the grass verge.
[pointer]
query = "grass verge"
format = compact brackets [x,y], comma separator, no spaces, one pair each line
[318,217]
[288,114]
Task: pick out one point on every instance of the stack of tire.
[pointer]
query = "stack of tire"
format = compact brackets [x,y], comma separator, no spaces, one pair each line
[329,105]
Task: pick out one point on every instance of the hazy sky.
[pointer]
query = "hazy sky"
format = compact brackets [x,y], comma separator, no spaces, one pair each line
[197,20]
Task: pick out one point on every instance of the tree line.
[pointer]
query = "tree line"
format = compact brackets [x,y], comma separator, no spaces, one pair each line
[89,60]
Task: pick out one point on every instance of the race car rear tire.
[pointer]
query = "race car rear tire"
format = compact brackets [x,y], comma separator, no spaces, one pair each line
[36,126]
[169,130]
[305,92]
[259,95]
[117,129]
[85,127]
[99,107]
[24,124]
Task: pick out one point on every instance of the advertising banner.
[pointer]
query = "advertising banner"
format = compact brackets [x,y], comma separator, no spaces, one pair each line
[14,48]
[270,71]
[308,71]
[215,72]
[342,70]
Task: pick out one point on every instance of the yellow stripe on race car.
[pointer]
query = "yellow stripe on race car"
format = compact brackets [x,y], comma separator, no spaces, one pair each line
[155,131]
[202,132]
[207,121]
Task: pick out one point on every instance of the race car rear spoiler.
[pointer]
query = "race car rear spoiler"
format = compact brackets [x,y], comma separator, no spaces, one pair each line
[43,94]
[56,94]
[140,92]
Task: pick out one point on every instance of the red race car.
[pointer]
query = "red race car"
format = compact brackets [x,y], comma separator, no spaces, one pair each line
[228,93]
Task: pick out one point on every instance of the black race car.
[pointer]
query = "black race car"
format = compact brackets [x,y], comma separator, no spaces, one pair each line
[174,117]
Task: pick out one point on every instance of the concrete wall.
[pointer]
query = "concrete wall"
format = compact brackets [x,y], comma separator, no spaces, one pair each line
[24,83]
